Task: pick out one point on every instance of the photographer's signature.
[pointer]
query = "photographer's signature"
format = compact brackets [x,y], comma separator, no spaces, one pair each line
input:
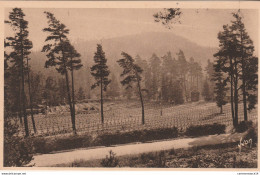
[244,143]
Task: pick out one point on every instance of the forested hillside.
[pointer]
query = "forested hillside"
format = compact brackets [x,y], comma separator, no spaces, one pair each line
[144,45]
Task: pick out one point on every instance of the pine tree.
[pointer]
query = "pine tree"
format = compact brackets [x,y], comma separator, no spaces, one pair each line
[60,53]
[132,74]
[50,92]
[155,75]
[236,56]
[36,80]
[191,71]
[62,89]
[183,65]
[169,74]
[113,88]
[244,52]
[30,94]
[210,74]
[177,92]
[81,94]
[229,64]
[251,81]
[220,85]
[74,64]
[198,74]
[147,77]
[100,72]
[205,92]
[168,16]
[21,46]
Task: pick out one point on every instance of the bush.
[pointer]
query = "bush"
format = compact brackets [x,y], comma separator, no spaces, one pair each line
[146,157]
[42,145]
[17,150]
[202,130]
[244,126]
[136,136]
[110,161]
[160,161]
[153,159]
[172,152]
[72,142]
[252,134]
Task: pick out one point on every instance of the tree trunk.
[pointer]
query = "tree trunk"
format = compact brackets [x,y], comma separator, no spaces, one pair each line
[185,91]
[231,90]
[236,93]
[101,100]
[73,97]
[141,99]
[23,93]
[221,109]
[197,83]
[68,93]
[191,82]
[244,98]
[69,99]
[30,97]
[243,81]
[244,94]
[20,102]
[236,103]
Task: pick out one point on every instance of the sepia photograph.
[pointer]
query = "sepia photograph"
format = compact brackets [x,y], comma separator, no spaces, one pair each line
[130,87]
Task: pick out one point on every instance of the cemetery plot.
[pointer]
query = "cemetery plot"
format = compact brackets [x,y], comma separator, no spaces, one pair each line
[124,117]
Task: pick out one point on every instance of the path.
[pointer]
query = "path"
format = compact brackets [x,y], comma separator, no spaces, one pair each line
[46,160]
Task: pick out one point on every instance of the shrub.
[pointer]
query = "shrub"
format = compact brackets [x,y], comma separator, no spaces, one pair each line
[71,142]
[17,150]
[172,152]
[202,130]
[252,134]
[241,163]
[154,159]
[243,126]
[110,161]
[43,145]
[40,146]
[161,160]
[136,136]
[146,157]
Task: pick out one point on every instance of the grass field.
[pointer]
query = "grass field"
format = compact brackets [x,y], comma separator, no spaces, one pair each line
[124,116]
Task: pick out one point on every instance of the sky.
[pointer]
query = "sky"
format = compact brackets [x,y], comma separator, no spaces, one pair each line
[198,25]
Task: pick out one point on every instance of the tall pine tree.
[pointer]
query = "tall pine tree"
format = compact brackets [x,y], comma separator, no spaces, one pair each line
[220,85]
[132,74]
[244,53]
[229,64]
[21,46]
[74,64]
[100,72]
[60,53]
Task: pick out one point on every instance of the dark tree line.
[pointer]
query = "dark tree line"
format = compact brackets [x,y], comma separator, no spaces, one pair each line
[170,79]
